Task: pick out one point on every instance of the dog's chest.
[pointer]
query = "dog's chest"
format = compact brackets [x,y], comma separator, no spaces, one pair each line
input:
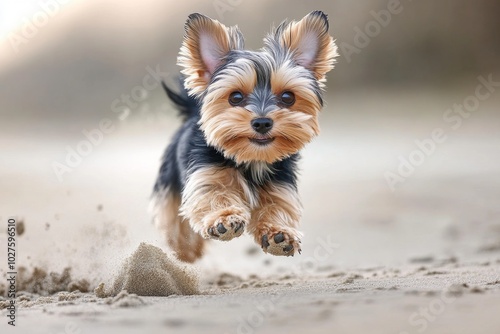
[258,173]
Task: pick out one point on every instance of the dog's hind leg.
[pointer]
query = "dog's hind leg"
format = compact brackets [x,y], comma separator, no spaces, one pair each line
[180,237]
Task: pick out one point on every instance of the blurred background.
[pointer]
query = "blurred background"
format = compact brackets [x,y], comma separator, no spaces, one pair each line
[65,66]
[73,57]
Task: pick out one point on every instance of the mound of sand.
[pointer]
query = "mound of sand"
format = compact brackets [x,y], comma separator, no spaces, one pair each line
[151,272]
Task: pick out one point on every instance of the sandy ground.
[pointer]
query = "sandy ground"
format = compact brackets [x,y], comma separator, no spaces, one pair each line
[424,258]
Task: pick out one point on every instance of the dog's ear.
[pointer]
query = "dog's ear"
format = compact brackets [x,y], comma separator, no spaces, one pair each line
[206,44]
[309,43]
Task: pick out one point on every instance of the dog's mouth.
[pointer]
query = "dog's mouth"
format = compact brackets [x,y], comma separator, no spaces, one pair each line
[262,141]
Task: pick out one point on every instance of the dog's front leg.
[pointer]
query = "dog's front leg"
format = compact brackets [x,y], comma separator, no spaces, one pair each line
[276,218]
[213,201]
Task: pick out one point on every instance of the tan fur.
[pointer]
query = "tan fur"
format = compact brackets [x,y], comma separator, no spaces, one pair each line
[187,244]
[229,128]
[279,210]
[231,132]
[290,78]
[304,31]
[190,56]
[215,195]
[241,77]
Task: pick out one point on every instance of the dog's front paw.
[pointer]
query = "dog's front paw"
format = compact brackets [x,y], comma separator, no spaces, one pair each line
[225,224]
[279,241]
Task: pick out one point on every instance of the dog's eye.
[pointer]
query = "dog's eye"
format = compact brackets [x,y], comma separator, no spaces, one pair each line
[288,98]
[235,98]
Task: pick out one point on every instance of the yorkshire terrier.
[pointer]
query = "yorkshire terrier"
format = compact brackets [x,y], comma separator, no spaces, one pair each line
[232,166]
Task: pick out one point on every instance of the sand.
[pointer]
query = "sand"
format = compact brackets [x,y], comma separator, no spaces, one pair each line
[147,272]
[407,299]
[39,281]
[151,272]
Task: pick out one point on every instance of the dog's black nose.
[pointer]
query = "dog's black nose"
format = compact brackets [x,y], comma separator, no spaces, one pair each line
[262,125]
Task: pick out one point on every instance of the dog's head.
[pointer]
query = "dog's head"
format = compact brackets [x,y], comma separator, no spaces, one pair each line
[258,105]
